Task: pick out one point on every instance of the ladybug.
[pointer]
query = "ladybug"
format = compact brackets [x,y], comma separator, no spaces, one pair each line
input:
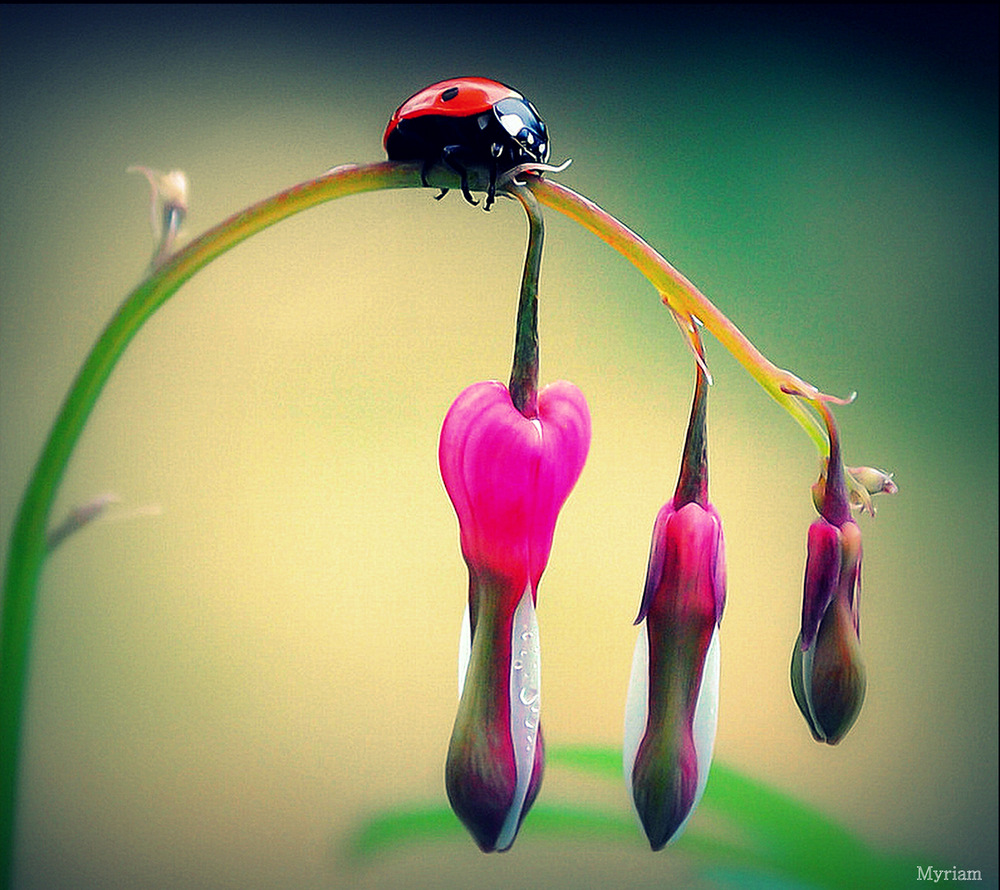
[467,122]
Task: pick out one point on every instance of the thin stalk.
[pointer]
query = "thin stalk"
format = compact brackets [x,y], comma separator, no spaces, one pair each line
[524,373]
[692,481]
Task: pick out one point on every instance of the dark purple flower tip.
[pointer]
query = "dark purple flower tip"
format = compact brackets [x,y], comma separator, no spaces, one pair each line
[828,678]
[480,781]
[665,784]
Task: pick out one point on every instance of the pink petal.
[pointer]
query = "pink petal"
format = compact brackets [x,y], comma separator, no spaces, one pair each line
[507,476]
[657,557]
[822,572]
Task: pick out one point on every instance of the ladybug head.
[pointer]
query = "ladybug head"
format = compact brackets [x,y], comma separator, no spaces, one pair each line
[529,138]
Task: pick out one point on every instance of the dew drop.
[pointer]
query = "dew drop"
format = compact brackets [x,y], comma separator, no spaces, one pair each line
[524,689]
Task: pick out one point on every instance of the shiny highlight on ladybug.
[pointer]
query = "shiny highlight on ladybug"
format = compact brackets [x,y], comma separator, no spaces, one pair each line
[467,122]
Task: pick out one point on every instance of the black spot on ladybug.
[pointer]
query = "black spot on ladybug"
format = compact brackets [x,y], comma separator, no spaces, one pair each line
[449,94]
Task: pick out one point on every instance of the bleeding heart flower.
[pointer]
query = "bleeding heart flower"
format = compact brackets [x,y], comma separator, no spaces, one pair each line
[672,706]
[507,475]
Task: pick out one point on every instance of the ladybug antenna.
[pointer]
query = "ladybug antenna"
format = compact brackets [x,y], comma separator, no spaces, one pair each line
[509,177]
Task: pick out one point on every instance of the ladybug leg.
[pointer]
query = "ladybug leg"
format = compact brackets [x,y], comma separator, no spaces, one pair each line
[449,157]
[423,179]
[491,194]
[465,188]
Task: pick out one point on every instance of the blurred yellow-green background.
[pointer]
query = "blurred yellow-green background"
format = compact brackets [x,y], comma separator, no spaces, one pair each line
[222,692]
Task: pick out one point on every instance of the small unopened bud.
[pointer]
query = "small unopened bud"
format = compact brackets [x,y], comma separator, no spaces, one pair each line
[827,673]
[862,484]
[168,207]
[93,510]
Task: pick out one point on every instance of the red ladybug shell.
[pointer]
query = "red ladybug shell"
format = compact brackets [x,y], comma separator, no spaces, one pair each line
[467,122]
[469,95]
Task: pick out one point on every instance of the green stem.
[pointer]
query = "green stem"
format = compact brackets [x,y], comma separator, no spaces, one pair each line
[692,482]
[28,549]
[524,373]
[28,546]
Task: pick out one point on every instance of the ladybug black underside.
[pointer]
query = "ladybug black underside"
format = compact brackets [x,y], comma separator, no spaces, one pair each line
[457,143]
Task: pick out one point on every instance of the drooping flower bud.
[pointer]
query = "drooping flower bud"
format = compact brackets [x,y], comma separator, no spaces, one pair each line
[507,476]
[672,707]
[827,672]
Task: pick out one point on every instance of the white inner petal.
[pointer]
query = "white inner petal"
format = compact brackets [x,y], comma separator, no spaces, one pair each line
[636,706]
[706,719]
[706,715]
[525,697]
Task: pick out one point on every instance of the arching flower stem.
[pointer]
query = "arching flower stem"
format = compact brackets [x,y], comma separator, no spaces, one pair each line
[28,547]
[28,542]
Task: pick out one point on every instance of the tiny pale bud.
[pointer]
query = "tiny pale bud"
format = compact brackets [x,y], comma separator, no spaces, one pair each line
[168,207]
[862,484]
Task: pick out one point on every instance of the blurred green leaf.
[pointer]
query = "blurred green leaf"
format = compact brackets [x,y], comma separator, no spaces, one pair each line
[769,838]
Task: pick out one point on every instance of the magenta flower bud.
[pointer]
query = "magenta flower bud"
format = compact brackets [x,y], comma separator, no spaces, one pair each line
[672,707]
[827,672]
[507,476]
